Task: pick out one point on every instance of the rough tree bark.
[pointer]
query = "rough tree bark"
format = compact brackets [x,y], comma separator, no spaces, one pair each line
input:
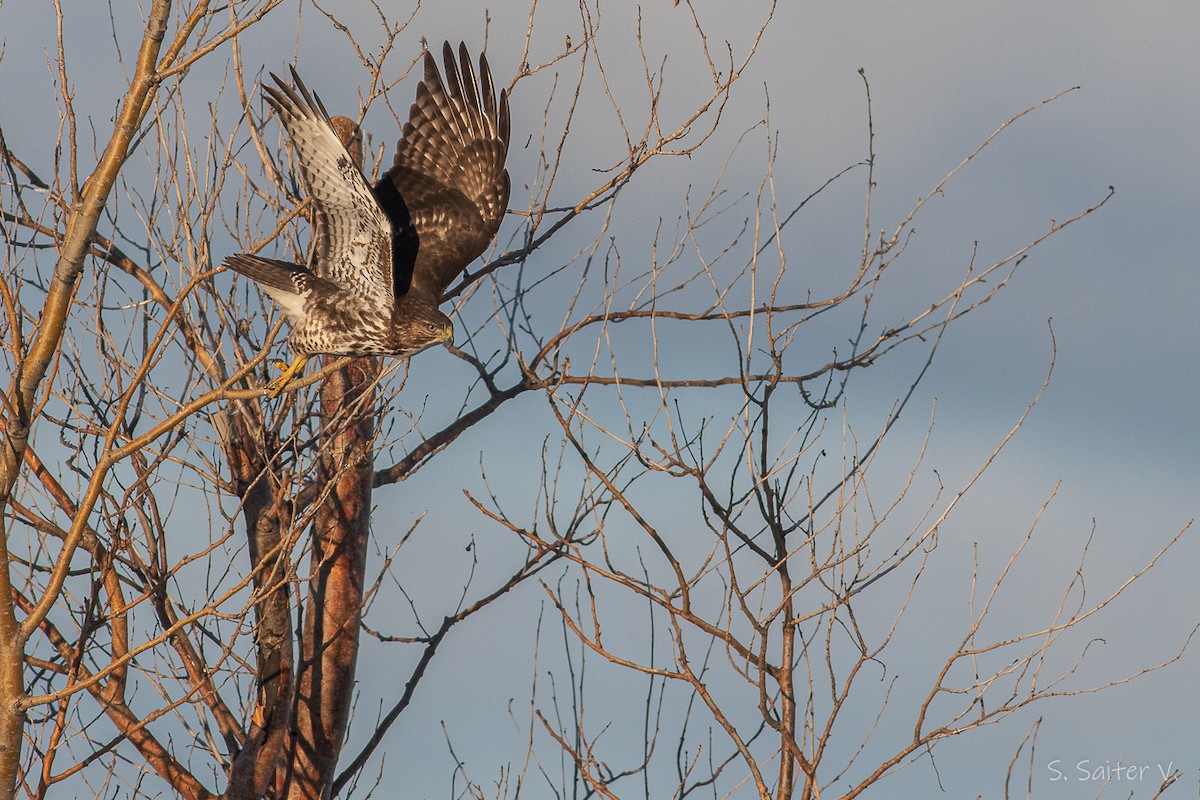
[303,702]
[329,645]
[256,481]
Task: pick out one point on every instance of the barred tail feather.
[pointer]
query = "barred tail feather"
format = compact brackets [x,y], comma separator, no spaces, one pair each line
[269,272]
[286,283]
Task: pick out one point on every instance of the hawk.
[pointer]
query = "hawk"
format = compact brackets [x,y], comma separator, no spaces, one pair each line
[382,256]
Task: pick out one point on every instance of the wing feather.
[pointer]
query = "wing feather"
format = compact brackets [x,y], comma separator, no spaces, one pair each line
[448,174]
[351,233]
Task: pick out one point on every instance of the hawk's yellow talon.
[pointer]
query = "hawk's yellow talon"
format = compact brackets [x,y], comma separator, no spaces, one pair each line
[290,373]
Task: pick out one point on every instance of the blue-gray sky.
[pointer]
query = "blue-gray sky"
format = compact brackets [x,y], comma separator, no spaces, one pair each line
[1118,425]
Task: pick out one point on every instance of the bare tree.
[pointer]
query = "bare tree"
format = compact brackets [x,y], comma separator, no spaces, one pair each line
[188,567]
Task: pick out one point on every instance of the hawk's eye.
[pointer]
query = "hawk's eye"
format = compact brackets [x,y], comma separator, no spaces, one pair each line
[431,327]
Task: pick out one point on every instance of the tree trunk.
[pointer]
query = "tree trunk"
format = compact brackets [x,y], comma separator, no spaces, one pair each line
[329,646]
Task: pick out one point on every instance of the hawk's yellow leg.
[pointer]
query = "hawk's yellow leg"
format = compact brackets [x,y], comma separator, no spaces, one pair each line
[290,373]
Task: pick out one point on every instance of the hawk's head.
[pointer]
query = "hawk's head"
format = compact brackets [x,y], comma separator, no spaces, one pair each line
[425,327]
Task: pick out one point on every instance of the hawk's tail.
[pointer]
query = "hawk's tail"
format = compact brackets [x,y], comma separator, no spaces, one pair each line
[271,273]
[288,284]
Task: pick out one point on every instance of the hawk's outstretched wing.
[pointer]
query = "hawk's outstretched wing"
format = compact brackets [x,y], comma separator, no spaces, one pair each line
[447,190]
[351,234]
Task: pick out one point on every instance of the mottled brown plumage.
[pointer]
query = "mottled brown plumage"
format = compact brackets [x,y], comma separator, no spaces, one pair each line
[383,256]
